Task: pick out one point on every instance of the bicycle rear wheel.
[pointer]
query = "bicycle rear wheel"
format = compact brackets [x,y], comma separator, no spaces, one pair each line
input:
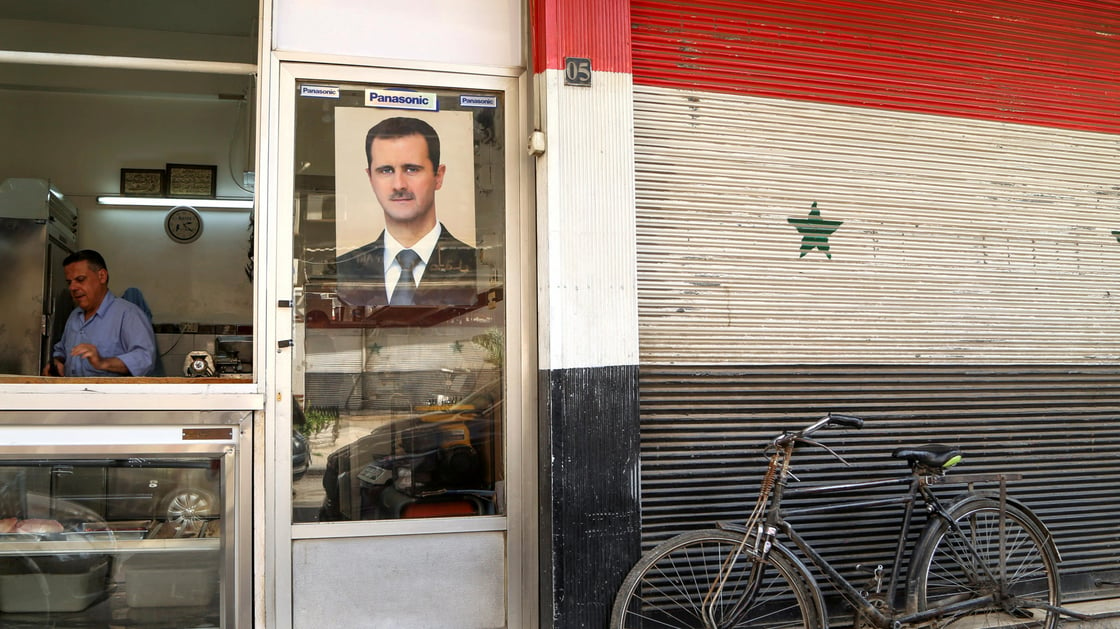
[948,572]
[669,584]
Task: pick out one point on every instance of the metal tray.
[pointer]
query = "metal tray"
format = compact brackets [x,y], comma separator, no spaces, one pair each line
[20,537]
[105,535]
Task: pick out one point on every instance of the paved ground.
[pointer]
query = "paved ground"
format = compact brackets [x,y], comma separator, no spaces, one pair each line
[1095,607]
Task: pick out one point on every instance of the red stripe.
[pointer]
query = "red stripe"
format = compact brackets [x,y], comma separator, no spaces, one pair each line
[595,29]
[1033,61]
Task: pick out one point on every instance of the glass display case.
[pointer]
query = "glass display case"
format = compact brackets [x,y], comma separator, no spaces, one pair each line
[121,526]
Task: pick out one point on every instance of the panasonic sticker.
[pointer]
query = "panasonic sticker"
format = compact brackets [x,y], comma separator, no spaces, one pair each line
[477,101]
[401,99]
[318,91]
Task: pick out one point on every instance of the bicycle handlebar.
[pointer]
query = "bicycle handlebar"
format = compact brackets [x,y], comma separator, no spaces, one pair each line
[847,421]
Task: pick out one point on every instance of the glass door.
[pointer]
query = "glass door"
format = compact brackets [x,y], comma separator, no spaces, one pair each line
[408,312]
[400,321]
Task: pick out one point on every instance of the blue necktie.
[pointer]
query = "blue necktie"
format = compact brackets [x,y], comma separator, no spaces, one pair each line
[405,292]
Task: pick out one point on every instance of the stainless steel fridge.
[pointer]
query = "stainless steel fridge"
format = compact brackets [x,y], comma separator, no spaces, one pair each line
[38,229]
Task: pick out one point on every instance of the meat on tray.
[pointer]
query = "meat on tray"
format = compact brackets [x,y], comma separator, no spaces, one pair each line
[36,525]
[32,525]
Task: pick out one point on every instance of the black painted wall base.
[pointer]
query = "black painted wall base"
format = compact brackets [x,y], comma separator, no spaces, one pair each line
[590,516]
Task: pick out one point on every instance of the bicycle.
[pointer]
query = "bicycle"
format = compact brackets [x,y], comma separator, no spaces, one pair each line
[984,561]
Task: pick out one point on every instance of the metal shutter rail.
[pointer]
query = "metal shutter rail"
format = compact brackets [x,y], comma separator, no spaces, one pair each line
[703,430]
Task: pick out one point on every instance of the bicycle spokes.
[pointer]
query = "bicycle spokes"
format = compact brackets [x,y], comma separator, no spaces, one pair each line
[676,587]
[980,585]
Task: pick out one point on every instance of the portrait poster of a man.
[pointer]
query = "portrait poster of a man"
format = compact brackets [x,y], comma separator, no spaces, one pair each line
[405,227]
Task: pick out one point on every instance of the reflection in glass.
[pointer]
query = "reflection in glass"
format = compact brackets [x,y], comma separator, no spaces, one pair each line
[439,461]
[102,542]
[399,357]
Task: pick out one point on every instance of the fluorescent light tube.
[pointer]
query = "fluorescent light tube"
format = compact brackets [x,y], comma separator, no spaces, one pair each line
[232,204]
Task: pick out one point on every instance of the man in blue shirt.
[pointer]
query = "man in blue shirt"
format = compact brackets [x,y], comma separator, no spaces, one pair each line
[105,335]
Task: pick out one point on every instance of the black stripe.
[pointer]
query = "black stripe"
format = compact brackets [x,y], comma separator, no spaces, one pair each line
[590,529]
[703,429]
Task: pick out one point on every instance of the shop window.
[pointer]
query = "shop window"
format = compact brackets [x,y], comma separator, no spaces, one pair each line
[400,315]
[93,157]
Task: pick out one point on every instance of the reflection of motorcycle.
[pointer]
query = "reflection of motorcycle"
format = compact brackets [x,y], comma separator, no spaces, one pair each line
[437,463]
[425,472]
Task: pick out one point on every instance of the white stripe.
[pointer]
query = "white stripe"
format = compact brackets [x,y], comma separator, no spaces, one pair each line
[962,240]
[586,249]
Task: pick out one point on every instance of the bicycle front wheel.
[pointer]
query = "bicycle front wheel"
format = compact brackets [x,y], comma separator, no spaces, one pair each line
[675,584]
[959,566]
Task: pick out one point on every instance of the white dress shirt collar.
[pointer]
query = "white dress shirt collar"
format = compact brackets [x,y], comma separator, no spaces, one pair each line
[423,248]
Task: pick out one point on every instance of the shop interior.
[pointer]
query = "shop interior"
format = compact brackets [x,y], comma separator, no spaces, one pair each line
[92,111]
[123,124]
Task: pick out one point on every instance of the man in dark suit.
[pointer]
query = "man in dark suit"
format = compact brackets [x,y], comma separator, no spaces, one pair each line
[415,260]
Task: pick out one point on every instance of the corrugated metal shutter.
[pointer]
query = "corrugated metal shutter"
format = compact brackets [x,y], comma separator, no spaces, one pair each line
[703,431]
[1032,61]
[816,183]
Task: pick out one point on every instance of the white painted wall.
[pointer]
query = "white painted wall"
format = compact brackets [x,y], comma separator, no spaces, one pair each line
[468,32]
[585,224]
[80,141]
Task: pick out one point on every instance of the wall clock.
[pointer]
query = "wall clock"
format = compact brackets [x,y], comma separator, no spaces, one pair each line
[183,224]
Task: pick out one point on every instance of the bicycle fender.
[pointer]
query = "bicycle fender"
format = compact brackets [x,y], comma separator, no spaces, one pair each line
[993,494]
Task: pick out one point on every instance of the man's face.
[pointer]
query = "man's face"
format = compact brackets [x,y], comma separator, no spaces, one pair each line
[87,287]
[403,178]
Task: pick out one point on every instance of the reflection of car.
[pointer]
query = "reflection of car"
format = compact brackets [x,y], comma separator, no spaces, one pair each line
[301,446]
[301,455]
[442,461]
[179,490]
[175,489]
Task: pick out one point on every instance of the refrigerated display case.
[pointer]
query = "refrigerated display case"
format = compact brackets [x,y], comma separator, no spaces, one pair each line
[124,525]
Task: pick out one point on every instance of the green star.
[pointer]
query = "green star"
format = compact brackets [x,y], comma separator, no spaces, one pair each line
[814,231]
[375,348]
[457,347]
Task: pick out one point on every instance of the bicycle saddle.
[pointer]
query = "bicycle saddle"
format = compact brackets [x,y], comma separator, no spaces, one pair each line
[932,455]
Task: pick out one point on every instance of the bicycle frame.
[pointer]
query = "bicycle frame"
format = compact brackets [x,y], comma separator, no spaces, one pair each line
[918,491]
[982,558]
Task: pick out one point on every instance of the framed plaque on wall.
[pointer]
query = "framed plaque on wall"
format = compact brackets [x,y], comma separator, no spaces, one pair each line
[142,182]
[192,180]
